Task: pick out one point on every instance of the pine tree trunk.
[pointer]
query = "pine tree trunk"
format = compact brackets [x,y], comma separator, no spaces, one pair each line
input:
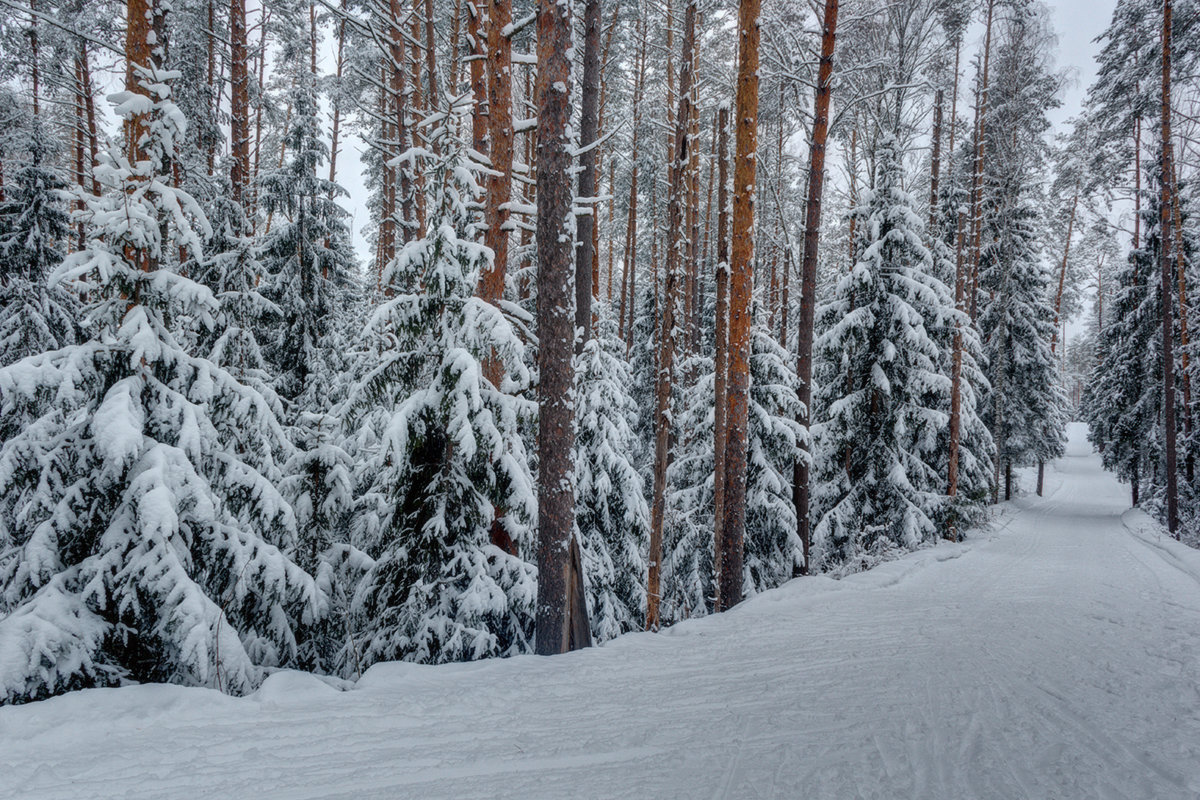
[629,268]
[556,424]
[1166,221]
[1041,476]
[956,365]
[89,102]
[475,32]
[676,252]
[430,59]
[976,198]
[721,379]
[403,180]
[808,266]
[935,164]
[741,290]
[1137,182]
[589,124]
[80,232]
[692,341]
[35,59]
[1062,272]
[1185,376]
[500,130]
[335,131]
[239,102]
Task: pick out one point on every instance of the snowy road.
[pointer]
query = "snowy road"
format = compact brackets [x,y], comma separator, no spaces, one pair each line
[1057,656]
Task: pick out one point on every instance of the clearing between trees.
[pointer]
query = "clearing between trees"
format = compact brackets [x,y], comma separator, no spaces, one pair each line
[1054,655]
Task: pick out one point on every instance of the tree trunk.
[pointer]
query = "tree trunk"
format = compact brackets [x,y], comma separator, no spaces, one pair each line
[808,266]
[589,123]
[721,379]
[956,367]
[629,268]
[403,180]
[1062,272]
[1185,377]
[741,290]
[977,168]
[475,32]
[430,59]
[1041,476]
[239,103]
[676,251]
[556,414]
[1166,221]
[935,164]
[500,129]
[340,67]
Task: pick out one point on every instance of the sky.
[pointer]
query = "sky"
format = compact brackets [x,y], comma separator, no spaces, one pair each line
[1077,23]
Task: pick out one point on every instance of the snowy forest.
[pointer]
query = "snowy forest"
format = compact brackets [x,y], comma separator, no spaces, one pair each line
[335,332]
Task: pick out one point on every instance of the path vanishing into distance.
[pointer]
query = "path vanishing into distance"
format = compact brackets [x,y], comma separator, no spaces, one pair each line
[1054,655]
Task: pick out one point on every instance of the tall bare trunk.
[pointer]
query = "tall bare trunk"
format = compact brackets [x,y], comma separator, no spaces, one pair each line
[500,129]
[557,617]
[808,265]
[741,290]
[339,70]
[676,252]
[239,102]
[589,123]
[721,379]
[629,268]
[977,169]
[1166,221]
[1062,272]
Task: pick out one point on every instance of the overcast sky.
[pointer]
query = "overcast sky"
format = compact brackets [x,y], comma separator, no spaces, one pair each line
[1077,23]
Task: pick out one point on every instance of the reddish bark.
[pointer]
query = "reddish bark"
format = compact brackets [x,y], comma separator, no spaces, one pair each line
[589,123]
[667,343]
[808,265]
[741,290]
[1166,220]
[721,380]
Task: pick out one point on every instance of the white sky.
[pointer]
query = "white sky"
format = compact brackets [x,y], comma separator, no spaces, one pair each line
[1078,23]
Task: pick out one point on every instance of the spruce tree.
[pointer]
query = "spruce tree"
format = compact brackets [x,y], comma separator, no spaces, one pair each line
[611,512]
[451,453]
[148,544]
[34,316]
[883,398]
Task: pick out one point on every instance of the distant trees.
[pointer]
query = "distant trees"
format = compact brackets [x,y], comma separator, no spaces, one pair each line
[539,379]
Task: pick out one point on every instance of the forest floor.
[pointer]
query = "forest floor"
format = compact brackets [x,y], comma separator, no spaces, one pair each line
[1055,654]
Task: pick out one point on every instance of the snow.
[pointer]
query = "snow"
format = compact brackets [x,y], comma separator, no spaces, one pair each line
[1053,655]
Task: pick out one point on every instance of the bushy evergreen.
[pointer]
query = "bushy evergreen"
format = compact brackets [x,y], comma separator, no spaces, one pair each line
[611,512]
[451,462]
[148,544]
[34,224]
[882,399]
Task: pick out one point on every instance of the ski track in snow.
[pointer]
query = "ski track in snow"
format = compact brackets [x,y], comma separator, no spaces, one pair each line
[1055,655]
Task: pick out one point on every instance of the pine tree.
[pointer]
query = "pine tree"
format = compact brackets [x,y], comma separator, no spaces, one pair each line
[148,543]
[883,396]
[34,317]
[451,452]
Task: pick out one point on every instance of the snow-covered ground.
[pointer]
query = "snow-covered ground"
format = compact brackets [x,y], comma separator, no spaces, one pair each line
[1056,656]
